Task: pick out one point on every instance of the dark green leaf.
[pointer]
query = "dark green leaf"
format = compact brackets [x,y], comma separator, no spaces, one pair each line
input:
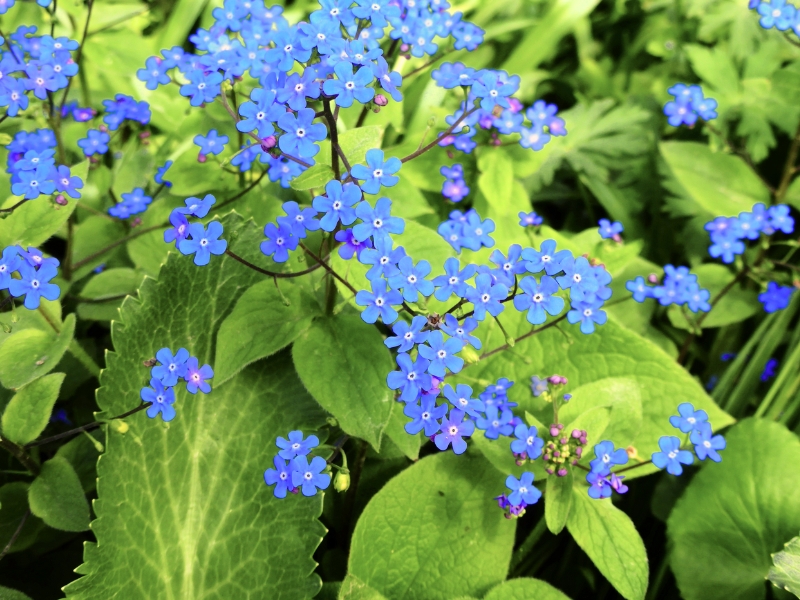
[13,508]
[27,414]
[56,497]
[558,501]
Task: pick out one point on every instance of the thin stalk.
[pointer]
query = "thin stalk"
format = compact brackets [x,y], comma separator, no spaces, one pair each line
[88,427]
[273,274]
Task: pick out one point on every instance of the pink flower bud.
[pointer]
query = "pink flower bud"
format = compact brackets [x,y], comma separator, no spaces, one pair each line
[268,142]
[514,105]
[553,430]
[404,47]
[381,100]
[61,200]
[562,472]
[144,135]
[652,278]
[201,158]
[103,128]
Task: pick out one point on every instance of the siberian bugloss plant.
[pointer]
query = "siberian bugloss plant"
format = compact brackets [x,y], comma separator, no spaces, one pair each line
[367,315]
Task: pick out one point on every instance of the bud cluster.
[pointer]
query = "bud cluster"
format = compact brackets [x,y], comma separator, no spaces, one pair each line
[563,449]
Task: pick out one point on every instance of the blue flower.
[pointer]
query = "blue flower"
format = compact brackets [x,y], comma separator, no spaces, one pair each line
[298,88]
[212,143]
[203,243]
[377,11]
[280,477]
[697,299]
[453,429]
[453,281]
[468,36]
[587,313]
[34,284]
[606,457]
[451,75]
[680,112]
[378,171]
[486,297]
[280,240]
[388,80]
[351,245]
[779,219]
[337,204]
[442,354]
[476,232]
[725,247]
[202,86]
[383,258]
[199,208]
[196,376]
[260,113]
[777,297]
[461,398]
[287,49]
[32,184]
[671,456]
[538,299]
[527,442]
[461,331]
[35,258]
[348,86]
[300,134]
[530,219]
[379,302]
[412,378]
[299,221]
[67,183]
[496,422]
[507,268]
[296,445]
[599,486]
[425,415]
[161,397]
[706,445]
[608,229]
[377,222]
[769,369]
[639,288]
[546,259]
[160,172]
[578,277]
[411,279]
[689,419]
[9,263]
[309,477]
[172,367]
[154,73]
[405,335]
[533,137]
[522,489]
[776,13]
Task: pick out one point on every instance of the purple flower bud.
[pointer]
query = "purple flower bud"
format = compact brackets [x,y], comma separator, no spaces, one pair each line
[557,454]
[404,47]
[103,128]
[553,430]
[136,222]
[563,440]
[486,121]
[60,200]
[381,100]
[562,472]
[576,433]
[578,451]
[549,470]
[268,142]
[652,278]
[514,105]
[144,135]
[201,158]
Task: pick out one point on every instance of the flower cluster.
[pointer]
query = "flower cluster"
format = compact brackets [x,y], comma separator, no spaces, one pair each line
[689,105]
[33,169]
[679,287]
[193,238]
[728,233]
[467,230]
[132,203]
[454,188]
[522,494]
[600,478]
[34,273]
[695,424]
[165,375]
[293,472]
[563,449]
[122,108]
[779,14]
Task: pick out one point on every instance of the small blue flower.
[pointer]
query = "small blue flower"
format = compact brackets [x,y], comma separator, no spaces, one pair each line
[530,219]
[32,184]
[300,133]
[486,297]
[34,284]
[154,73]
[507,268]
[411,280]
[203,242]
[453,281]
[412,378]
[405,335]
[776,13]
[211,143]
[388,80]
[689,419]
[779,219]
[337,204]
[350,245]
[546,259]
[522,490]
[639,288]
[383,258]
[296,445]
[538,299]
[379,302]
[442,354]
[160,172]
[196,376]
[425,415]
[538,386]
[769,369]
[451,75]
[777,297]
[453,429]
[280,477]
[606,457]
[496,422]
[199,208]
[599,486]
[671,456]
[280,241]
[172,367]
[461,398]
[461,331]
[608,229]
[527,442]
[707,445]
[309,477]
[66,183]
[725,247]
[299,221]
[349,86]
[476,232]
[378,172]
[377,222]
[9,263]
[578,277]
[161,397]
[587,314]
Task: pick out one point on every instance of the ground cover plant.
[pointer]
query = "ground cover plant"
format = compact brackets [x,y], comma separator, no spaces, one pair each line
[392,299]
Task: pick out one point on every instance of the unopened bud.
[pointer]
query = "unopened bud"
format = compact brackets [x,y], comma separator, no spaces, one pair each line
[201,158]
[562,472]
[341,482]
[119,426]
[144,135]
[652,278]
[469,355]
[632,452]
[103,128]
[61,200]
[553,430]
[268,142]
[136,222]
[404,47]
[514,105]
[432,122]
[381,100]
[6,327]
[497,110]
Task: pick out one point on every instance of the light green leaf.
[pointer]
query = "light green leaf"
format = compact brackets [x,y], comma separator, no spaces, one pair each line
[721,184]
[315,177]
[56,496]
[343,363]
[207,463]
[395,430]
[433,532]
[267,318]
[28,412]
[90,237]
[355,589]
[82,452]
[610,539]
[112,282]
[354,144]
[785,574]
[735,514]
[525,588]
[737,305]
[31,353]
[558,501]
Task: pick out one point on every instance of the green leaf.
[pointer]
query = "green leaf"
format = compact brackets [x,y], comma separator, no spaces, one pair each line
[558,501]
[525,588]
[395,430]
[721,184]
[315,177]
[38,220]
[29,411]
[31,353]
[355,589]
[610,539]
[56,497]
[735,306]
[735,514]
[433,531]
[9,594]
[343,363]
[82,452]
[268,317]
[354,144]
[177,501]
[112,282]
[13,507]
[785,574]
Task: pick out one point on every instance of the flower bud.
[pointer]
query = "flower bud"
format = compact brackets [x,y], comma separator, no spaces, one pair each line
[652,278]
[567,397]
[562,472]
[341,482]
[553,430]
[61,200]
[514,105]
[201,158]
[469,355]
[268,142]
[381,100]
[144,135]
